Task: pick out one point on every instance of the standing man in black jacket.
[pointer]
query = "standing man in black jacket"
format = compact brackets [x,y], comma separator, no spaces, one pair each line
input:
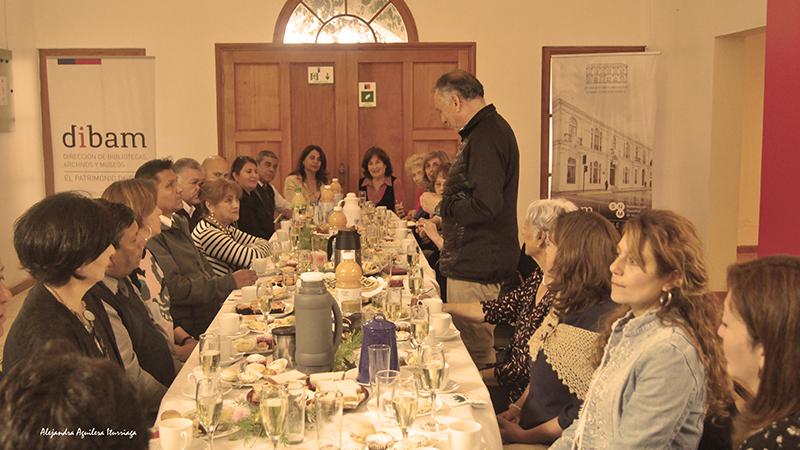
[479,205]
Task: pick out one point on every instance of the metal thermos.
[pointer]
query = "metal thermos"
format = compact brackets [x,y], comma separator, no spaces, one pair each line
[343,241]
[318,335]
[284,340]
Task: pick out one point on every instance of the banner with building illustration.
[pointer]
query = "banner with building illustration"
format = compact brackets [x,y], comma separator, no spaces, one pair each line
[603,126]
[102,119]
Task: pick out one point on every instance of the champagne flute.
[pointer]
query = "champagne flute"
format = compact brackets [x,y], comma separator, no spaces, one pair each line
[208,398]
[432,364]
[273,407]
[209,354]
[264,292]
[405,401]
[420,324]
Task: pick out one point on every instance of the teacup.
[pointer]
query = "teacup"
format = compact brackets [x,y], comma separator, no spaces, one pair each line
[464,434]
[261,265]
[249,293]
[400,233]
[440,322]
[434,305]
[175,434]
[228,324]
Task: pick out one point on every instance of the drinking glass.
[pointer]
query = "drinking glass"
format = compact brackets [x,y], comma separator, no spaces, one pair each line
[394,303]
[296,413]
[208,397]
[379,360]
[420,324]
[209,354]
[264,293]
[405,400]
[415,282]
[329,406]
[432,365]
[273,406]
[384,380]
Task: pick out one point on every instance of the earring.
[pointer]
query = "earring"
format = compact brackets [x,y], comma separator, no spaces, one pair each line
[665,299]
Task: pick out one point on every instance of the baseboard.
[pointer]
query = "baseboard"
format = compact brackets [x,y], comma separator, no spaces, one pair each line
[27,283]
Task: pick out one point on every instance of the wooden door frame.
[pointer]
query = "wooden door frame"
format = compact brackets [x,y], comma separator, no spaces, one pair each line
[44,92]
[547,53]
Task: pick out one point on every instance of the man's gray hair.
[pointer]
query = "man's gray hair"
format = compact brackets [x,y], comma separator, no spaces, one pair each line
[461,82]
[186,163]
[542,214]
[265,154]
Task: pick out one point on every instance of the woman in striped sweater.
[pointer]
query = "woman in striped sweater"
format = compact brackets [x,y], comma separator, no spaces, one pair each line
[226,247]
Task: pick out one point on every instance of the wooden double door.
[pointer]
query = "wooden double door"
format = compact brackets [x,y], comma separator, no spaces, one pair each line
[265,101]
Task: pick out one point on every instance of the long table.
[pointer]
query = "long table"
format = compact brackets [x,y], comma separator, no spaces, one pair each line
[462,371]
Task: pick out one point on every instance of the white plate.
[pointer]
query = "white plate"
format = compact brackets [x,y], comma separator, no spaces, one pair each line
[451,334]
[188,390]
[376,290]
[289,308]
[451,386]
[242,333]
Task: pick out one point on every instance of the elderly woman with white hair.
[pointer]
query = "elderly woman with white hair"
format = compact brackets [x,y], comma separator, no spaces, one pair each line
[525,307]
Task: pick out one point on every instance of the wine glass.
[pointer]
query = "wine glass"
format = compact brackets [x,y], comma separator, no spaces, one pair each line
[405,400]
[273,407]
[208,398]
[209,354]
[420,324]
[264,292]
[432,364]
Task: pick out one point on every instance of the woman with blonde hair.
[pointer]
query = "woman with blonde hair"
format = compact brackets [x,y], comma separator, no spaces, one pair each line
[140,196]
[760,335]
[662,369]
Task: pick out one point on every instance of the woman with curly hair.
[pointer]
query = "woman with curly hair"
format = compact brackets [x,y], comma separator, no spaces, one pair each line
[661,370]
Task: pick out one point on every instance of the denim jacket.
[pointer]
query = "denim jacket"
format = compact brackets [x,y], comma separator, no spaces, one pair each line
[647,393]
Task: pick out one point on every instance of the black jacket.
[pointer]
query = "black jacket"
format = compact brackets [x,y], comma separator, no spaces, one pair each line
[257,212]
[43,319]
[479,205]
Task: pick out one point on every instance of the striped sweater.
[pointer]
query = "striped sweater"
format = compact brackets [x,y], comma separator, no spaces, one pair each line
[228,252]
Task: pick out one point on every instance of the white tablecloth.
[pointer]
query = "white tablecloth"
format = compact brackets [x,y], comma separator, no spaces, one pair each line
[462,371]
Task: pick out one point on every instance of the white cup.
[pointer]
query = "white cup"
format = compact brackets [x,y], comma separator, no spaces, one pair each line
[400,233]
[249,293]
[464,434]
[175,434]
[440,322]
[261,265]
[434,304]
[228,324]
[285,226]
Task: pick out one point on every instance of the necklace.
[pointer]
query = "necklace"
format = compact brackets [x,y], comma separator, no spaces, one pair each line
[86,319]
[225,229]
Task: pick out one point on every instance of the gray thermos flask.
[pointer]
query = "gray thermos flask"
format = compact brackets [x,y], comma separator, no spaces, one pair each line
[317,333]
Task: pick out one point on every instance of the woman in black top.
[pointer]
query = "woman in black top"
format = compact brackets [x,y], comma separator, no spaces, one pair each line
[379,183]
[760,336]
[257,205]
[578,254]
[65,243]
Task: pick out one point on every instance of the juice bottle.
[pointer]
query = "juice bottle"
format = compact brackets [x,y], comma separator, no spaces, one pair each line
[337,190]
[337,220]
[348,284]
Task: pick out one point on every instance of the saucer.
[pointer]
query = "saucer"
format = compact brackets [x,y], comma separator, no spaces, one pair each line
[451,334]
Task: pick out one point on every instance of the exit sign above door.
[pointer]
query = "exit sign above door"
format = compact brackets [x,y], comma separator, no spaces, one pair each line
[320,74]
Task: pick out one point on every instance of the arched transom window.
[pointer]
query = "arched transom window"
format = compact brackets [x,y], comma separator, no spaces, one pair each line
[345,22]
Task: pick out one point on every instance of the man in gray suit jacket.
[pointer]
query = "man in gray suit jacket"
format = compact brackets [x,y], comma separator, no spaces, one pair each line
[196,293]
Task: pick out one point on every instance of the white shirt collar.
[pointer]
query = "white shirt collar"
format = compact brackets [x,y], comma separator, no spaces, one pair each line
[166,220]
[188,208]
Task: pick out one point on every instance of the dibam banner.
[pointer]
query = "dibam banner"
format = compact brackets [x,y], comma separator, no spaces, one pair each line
[603,125]
[102,119]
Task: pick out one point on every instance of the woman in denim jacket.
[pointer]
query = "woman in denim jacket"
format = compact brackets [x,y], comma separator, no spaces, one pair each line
[662,368]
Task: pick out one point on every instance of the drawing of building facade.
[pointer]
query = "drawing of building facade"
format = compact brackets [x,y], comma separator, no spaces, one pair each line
[589,155]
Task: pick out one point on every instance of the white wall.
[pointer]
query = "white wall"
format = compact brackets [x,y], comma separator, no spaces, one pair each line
[22,170]
[686,177]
